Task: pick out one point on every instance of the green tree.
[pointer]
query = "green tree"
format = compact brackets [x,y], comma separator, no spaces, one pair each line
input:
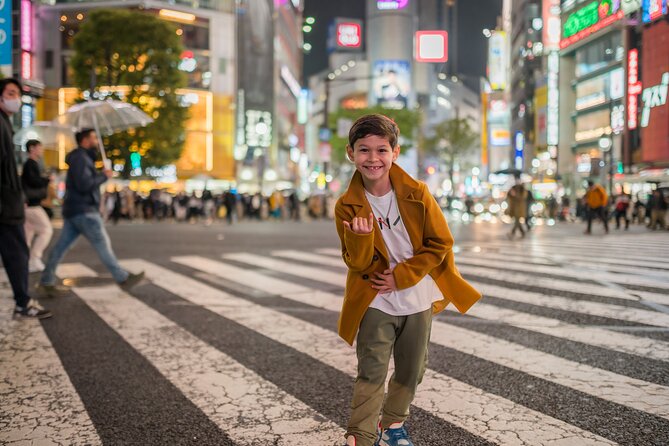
[406,120]
[138,50]
[452,139]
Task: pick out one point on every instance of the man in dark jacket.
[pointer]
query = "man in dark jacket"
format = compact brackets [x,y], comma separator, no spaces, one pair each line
[13,247]
[81,214]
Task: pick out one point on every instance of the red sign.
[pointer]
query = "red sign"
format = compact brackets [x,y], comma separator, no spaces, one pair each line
[349,35]
[26,65]
[633,89]
[431,46]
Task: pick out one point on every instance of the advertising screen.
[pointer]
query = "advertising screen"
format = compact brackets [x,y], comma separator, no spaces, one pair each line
[5,32]
[392,83]
[653,10]
[497,61]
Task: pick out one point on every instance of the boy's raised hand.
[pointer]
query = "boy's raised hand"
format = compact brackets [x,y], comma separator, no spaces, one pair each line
[360,225]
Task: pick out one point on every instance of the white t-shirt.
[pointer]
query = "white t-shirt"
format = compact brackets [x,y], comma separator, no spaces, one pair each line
[408,301]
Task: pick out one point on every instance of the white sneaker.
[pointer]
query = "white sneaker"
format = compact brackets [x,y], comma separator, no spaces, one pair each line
[35,265]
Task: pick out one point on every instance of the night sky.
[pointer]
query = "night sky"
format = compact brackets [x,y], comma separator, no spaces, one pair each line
[474,15]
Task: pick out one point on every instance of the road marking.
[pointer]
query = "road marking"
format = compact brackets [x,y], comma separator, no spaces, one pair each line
[479,412]
[613,387]
[232,396]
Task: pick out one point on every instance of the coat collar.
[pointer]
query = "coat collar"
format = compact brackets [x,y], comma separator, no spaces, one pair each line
[401,181]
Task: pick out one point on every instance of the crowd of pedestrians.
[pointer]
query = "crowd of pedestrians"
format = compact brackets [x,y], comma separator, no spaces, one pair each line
[206,206]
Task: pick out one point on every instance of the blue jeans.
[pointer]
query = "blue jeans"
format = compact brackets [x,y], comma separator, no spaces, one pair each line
[91,226]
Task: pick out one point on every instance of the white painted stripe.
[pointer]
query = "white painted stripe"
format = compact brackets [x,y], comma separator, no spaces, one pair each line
[248,408]
[617,388]
[577,306]
[69,270]
[598,337]
[527,278]
[579,273]
[581,252]
[466,406]
[329,252]
[39,402]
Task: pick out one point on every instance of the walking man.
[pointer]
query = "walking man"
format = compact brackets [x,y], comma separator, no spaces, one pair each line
[13,247]
[35,184]
[517,201]
[596,199]
[81,214]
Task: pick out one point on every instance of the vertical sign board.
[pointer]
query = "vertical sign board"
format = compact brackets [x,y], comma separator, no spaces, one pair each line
[6,37]
[633,89]
[255,76]
[551,24]
[553,106]
[497,61]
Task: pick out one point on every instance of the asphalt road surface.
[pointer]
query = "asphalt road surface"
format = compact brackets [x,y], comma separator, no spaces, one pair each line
[231,340]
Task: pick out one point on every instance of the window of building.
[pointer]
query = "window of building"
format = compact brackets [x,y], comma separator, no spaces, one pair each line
[599,54]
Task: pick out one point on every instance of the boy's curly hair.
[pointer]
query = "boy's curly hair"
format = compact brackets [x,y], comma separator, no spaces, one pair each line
[374,124]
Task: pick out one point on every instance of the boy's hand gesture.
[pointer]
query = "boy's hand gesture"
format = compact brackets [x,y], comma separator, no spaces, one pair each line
[384,282]
[360,225]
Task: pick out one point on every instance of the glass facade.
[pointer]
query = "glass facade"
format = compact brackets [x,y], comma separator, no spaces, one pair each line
[599,54]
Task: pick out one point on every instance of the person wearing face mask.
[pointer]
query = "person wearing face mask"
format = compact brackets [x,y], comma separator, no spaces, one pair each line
[13,246]
[81,215]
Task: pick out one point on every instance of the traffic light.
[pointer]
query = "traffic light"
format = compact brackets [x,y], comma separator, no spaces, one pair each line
[135,160]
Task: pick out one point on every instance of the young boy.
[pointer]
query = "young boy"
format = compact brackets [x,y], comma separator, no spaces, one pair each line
[398,249]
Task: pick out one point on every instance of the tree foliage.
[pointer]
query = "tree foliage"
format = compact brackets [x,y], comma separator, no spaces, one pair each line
[452,139]
[406,120]
[128,48]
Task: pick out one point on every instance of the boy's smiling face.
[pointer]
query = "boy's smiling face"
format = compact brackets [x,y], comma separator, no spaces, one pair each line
[373,157]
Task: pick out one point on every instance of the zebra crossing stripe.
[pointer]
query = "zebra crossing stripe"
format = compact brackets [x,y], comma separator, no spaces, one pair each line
[574,273]
[527,278]
[553,327]
[463,405]
[39,402]
[233,397]
[329,252]
[615,388]
[592,308]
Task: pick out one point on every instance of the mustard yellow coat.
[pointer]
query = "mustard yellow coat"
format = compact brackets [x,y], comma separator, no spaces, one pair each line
[365,254]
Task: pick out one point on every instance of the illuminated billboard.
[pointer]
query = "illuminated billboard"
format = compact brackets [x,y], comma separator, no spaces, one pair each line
[392,83]
[653,10]
[6,37]
[551,24]
[497,61]
[255,78]
[591,18]
[391,5]
[431,46]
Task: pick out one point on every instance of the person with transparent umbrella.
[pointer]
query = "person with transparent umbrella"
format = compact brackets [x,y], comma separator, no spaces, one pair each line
[81,215]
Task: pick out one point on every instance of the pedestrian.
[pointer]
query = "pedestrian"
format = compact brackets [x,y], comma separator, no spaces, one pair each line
[528,209]
[517,207]
[657,204]
[13,246]
[621,207]
[230,203]
[81,216]
[596,199]
[35,187]
[398,249]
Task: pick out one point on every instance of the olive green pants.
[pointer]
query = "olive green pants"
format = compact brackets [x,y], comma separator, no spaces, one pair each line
[380,334]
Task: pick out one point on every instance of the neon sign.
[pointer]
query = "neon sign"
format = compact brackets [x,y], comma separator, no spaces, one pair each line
[26,65]
[349,35]
[655,96]
[653,9]
[391,4]
[633,88]
[590,19]
[26,26]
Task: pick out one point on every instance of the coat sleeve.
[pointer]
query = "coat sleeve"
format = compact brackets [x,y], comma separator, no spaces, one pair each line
[85,179]
[357,250]
[437,243]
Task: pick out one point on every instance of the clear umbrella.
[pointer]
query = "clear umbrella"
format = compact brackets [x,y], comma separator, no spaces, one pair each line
[105,117]
[47,133]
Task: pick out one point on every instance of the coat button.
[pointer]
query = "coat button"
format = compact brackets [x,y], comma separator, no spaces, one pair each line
[375,258]
[365,277]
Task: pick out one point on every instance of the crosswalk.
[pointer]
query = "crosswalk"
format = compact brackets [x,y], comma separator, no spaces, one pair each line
[569,346]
